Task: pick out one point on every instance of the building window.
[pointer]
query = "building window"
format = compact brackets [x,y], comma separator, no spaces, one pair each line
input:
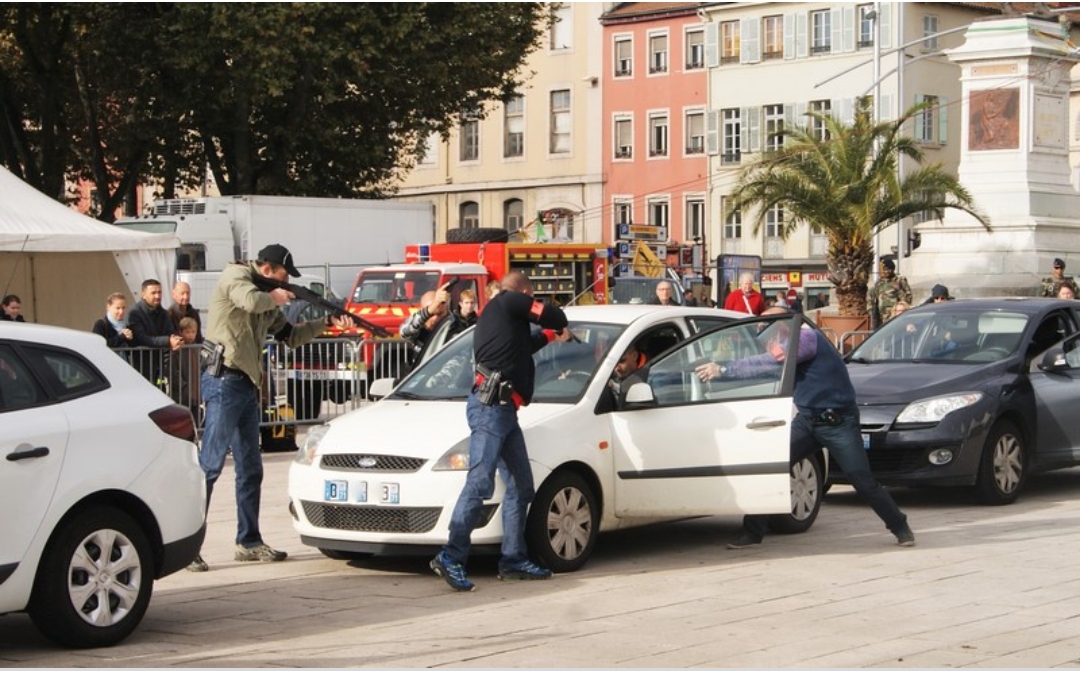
[429,151]
[623,211]
[658,53]
[624,57]
[773,27]
[470,140]
[562,27]
[695,218]
[658,134]
[695,132]
[926,120]
[733,226]
[732,136]
[774,222]
[774,127]
[695,49]
[821,31]
[866,26]
[624,138]
[658,212]
[930,31]
[514,128]
[729,42]
[560,121]
[817,127]
[469,215]
[513,215]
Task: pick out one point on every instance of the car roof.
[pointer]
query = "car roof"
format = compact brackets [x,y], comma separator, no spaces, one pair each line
[624,314]
[1019,304]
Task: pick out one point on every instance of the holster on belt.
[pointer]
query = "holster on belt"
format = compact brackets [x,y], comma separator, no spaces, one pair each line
[212,357]
[491,388]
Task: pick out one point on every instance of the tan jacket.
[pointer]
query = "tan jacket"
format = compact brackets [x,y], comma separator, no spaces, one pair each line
[240,316]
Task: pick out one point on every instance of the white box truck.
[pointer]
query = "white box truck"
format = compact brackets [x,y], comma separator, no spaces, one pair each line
[331,239]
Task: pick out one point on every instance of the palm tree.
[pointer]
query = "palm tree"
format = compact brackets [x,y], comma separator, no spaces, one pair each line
[846,183]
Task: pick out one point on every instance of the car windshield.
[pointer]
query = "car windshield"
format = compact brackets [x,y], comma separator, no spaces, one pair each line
[563,370]
[947,335]
[393,286]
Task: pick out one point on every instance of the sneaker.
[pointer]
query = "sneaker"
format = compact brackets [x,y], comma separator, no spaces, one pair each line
[259,551]
[197,565]
[453,573]
[744,541]
[905,537]
[524,570]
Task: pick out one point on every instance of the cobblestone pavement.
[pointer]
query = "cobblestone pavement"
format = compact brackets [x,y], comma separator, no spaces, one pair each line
[986,587]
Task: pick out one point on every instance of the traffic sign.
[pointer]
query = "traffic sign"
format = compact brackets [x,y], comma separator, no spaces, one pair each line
[641,232]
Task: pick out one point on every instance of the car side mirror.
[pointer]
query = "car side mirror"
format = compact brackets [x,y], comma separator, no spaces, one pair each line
[381,388]
[1054,361]
[639,396]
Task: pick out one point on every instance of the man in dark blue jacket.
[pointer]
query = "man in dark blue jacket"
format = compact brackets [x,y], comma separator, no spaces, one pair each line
[503,344]
[827,417]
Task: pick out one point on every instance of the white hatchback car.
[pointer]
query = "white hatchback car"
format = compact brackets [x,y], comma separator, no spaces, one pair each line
[100,486]
[385,478]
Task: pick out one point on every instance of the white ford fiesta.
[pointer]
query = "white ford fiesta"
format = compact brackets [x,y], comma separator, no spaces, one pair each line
[384,479]
[100,486]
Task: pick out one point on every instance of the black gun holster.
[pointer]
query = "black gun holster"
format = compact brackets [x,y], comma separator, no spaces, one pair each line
[212,357]
[491,388]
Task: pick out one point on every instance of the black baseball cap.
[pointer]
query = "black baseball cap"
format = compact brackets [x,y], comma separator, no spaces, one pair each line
[1059,263]
[889,264]
[280,255]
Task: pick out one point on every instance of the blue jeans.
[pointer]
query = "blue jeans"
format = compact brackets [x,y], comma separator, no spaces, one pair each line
[844,442]
[496,442]
[232,421]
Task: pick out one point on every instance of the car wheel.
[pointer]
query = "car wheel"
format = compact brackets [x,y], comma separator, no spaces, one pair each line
[563,522]
[305,398]
[807,493]
[95,579]
[1002,469]
[335,554]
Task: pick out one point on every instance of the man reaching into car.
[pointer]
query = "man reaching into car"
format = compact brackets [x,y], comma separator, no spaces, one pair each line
[826,416]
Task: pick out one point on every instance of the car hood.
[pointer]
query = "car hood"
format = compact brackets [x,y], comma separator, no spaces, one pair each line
[891,382]
[413,428]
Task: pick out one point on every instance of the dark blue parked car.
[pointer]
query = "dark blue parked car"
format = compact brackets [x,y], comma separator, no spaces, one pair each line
[979,393]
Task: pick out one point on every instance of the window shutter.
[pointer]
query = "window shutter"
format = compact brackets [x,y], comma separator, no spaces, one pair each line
[847,110]
[753,125]
[802,40]
[789,36]
[800,114]
[789,117]
[836,40]
[750,48]
[885,110]
[712,132]
[849,27]
[943,120]
[712,45]
[744,129]
[919,119]
[884,24]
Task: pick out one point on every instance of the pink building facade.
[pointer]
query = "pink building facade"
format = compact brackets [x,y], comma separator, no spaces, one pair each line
[654,129]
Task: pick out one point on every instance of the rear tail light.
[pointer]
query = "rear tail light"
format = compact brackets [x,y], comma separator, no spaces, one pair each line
[175,420]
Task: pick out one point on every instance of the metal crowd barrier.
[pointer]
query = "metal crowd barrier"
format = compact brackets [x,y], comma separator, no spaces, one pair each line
[307,385]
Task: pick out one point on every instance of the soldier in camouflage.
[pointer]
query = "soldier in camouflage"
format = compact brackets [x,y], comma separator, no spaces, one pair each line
[1050,285]
[889,289]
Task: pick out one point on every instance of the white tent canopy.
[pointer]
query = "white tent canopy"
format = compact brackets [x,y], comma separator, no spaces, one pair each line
[63,265]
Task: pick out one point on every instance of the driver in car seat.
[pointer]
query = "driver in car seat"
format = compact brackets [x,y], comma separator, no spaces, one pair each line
[631,361]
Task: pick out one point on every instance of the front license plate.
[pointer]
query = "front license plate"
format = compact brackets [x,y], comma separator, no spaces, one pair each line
[336,490]
[866,441]
[312,375]
[391,493]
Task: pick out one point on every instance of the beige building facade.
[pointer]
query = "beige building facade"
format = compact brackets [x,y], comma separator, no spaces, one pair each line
[531,166]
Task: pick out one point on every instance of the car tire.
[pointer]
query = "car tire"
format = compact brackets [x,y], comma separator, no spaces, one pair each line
[99,558]
[1003,467]
[807,493]
[477,235]
[305,398]
[563,522]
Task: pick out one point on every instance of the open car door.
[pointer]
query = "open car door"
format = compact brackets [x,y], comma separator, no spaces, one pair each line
[684,447]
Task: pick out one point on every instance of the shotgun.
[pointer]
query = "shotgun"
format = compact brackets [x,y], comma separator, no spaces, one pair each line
[300,292]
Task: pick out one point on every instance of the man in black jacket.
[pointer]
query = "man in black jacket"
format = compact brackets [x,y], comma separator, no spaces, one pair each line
[152,328]
[503,344]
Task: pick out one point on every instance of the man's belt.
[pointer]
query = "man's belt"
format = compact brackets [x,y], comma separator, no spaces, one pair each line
[506,394]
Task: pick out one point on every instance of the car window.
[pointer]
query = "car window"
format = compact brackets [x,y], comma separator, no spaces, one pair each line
[1051,330]
[675,382]
[68,375]
[563,369]
[932,334]
[18,389]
